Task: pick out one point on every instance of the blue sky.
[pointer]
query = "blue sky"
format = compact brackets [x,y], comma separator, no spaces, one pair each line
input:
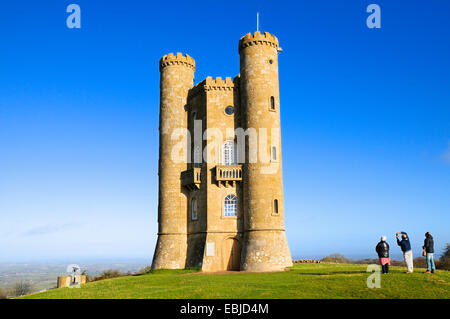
[365,120]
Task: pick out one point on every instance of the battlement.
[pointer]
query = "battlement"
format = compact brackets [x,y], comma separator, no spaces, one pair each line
[209,84]
[218,83]
[258,39]
[178,59]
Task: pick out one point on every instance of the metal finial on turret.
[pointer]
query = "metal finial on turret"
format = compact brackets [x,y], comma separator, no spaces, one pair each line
[257,21]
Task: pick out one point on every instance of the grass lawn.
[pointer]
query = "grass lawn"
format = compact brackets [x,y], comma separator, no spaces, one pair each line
[301,281]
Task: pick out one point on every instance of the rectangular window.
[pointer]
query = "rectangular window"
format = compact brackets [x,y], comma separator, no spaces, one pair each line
[275,206]
[274,153]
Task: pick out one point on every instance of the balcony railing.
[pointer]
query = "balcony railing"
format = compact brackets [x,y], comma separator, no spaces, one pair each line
[191,179]
[228,174]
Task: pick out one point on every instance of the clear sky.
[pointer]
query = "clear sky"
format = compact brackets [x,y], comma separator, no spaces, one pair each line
[365,120]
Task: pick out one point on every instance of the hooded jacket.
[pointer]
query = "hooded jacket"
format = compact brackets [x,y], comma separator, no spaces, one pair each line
[428,244]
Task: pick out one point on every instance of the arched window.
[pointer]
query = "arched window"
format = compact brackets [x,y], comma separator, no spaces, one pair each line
[272,103]
[230,206]
[197,156]
[229,153]
[194,209]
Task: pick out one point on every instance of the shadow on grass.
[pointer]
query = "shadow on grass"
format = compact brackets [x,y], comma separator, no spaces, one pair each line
[330,273]
[173,271]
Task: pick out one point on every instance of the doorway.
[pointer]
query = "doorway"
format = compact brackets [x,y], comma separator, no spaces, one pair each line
[232,254]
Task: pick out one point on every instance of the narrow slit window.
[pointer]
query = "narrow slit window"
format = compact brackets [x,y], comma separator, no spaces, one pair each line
[274,153]
[197,156]
[272,103]
[194,209]
[275,206]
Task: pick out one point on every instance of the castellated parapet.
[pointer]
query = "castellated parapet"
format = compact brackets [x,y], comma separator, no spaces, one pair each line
[216,213]
[258,39]
[178,59]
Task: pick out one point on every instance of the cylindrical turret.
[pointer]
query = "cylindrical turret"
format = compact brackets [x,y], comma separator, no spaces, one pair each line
[177,78]
[265,247]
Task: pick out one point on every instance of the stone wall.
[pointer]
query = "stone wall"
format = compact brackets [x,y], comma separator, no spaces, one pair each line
[67,281]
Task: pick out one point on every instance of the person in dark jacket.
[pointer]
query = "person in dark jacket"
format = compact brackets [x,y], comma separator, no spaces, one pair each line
[405,245]
[383,254]
[428,246]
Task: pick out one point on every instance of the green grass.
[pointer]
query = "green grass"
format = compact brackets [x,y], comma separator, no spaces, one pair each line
[301,281]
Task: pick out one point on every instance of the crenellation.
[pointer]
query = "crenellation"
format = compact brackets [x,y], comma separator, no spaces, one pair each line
[178,59]
[258,39]
[209,84]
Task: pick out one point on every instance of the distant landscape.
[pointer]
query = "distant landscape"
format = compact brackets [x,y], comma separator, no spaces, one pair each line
[43,275]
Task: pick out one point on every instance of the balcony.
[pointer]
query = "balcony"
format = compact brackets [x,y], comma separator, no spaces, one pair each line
[228,175]
[191,179]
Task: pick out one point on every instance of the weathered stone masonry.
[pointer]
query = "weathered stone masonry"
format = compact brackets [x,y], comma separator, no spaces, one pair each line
[221,215]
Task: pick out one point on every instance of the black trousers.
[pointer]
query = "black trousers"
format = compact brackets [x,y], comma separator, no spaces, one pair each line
[385,268]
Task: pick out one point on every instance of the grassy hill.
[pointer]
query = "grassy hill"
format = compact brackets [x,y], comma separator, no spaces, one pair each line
[301,281]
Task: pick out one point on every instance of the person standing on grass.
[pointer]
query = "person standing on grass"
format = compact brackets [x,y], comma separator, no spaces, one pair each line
[405,245]
[428,247]
[383,254]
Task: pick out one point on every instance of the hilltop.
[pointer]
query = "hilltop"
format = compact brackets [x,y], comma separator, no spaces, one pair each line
[300,281]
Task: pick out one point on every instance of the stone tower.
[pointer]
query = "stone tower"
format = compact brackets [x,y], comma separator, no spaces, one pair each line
[224,211]
[177,78]
[265,245]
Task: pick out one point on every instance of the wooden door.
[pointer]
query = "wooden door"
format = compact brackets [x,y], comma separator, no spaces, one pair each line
[232,254]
